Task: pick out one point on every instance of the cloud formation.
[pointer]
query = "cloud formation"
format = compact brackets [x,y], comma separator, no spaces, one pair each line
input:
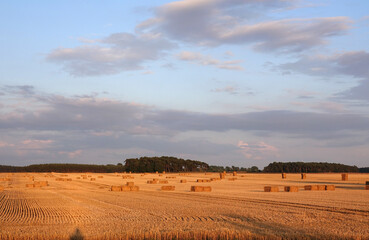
[91,113]
[81,128]
[207,23]
[217,22]
[116,53]
[354,64]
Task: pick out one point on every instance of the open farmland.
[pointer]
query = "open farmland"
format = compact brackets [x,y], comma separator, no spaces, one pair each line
[237,206]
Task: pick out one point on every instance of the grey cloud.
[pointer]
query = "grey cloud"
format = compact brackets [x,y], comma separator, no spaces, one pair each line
[289,122]
[94,114]
[359,92]
[116,53]
[354,64]
[216,22]
[88,127]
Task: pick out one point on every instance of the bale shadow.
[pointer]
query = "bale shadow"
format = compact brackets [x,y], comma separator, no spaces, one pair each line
[77,235]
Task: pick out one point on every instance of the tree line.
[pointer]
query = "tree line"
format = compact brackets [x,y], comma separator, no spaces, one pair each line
[308,167]
[173,164]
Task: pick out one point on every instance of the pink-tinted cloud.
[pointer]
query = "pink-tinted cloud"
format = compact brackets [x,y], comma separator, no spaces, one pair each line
[257,150]
[6,144]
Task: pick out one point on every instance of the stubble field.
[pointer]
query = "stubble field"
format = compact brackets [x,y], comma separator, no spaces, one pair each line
[233,209]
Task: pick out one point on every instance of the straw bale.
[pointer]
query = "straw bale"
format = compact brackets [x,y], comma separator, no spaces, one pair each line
[235,173]
[271,189]
[84,177]
[321,187]
[93,179]
[163,181]
[344,176]
[232,179]
[170,177]
[130,184]
[134,188]
[303,175]
[116,188]
[168,188]
[330,187]
[200,189]
[291,188]
[214,179]
[284,175]
[100,176]
[183,181]
[222,175]
[126,188]
[44,183]
[311,187]
[152,181]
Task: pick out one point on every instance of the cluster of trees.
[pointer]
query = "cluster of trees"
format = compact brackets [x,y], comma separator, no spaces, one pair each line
[167,164]
[308,167]
[213,168]
[64,168]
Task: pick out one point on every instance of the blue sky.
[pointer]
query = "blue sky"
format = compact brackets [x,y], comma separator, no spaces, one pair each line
[236,82]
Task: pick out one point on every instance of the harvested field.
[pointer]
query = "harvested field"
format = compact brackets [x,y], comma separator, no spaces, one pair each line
[233,210]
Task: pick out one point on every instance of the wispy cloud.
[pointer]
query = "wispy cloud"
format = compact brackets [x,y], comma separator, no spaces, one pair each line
[207,60]
[117,53]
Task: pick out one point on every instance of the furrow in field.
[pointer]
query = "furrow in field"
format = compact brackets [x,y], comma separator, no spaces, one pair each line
[233,200]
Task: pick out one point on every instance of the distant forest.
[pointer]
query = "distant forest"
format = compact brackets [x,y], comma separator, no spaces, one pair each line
[309,167]
[173,164]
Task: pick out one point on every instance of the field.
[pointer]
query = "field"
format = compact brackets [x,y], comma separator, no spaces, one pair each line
[237,207]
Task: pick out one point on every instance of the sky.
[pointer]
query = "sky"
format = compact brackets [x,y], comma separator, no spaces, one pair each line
[228,82]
